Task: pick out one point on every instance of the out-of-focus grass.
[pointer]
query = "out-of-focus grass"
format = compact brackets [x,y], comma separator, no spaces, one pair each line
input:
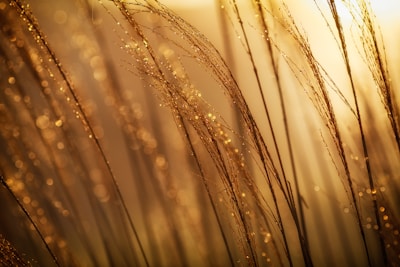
[127,138]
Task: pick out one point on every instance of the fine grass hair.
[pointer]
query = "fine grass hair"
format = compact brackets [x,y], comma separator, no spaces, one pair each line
[130,137]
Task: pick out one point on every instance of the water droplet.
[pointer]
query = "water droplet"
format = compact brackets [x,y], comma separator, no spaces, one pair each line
[58,123]
[42,122]
[11,80]
[49,182]
[19,164]
[26,200]
[60,145]
[267,237]
[101,192]
[48,239]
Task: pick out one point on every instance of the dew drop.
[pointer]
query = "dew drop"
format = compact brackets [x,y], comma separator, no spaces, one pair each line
[26,200]
[19,164]
[17,98]
[267,237]
[60,145]
[58,123]
[42,122]
[48,239]
[11,80]
[49,182]
[101,192]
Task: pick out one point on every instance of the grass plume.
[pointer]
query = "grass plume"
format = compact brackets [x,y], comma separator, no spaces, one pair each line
[128,138]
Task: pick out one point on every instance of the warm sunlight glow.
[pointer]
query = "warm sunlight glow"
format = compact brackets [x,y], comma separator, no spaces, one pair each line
[187,3]
[199,133]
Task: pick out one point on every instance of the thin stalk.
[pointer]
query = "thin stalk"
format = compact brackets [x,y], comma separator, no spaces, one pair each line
[300,225]
[50,152]
[39,36]
[332,4]
[382,72]
[205,183]
[325,109]
[229,55]
[30,219]
[263,99]
[340,144]
[130,119]
[136,27]
[231,62]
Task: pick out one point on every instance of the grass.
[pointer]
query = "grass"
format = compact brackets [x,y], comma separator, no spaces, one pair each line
[128,138]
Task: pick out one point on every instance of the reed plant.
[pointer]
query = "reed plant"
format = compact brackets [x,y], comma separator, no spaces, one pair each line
[130,138]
